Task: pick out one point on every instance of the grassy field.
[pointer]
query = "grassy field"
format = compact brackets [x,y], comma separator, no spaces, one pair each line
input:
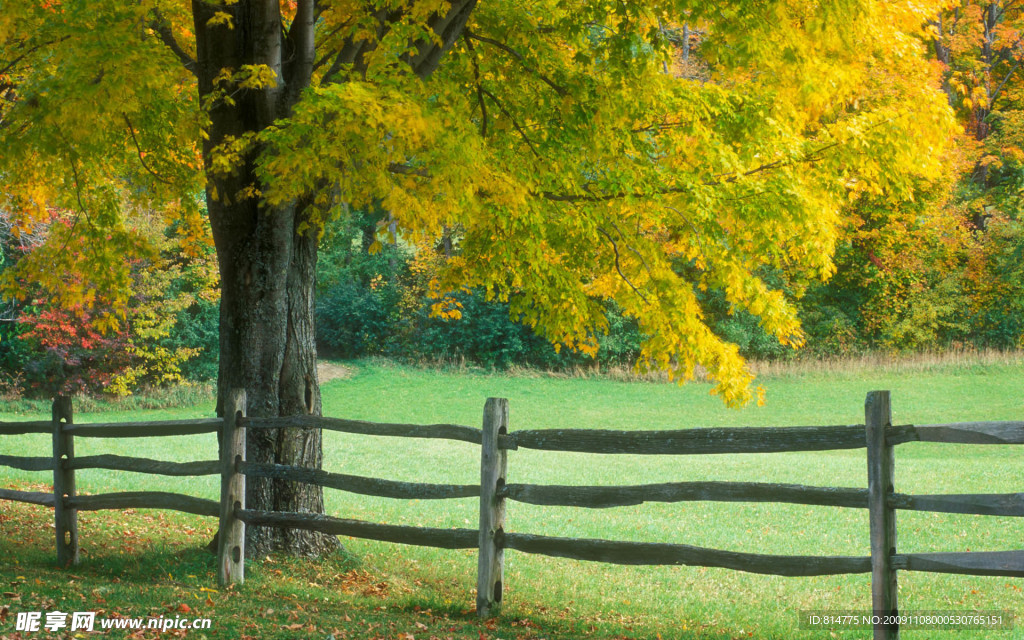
[138,563]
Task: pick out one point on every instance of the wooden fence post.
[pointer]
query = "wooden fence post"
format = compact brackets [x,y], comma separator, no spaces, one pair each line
[493,467]
[881,479]
[231,537]
[65,519]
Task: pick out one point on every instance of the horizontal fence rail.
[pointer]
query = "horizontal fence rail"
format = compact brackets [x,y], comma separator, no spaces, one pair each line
[26,463]
[145,429]
[436,431]
[146,500]
[18,428]
[31,497]
[604,497]
[1007,504]
[596,497]
[693,441]
[402,534]
[145,465]
[649,553]
[359,484]
[878,436]
[974,563]
[961,433]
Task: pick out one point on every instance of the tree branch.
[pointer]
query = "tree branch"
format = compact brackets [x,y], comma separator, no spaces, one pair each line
[518,56]
[607,197]
[1009,74]
[696,231]
[14,62]
[142,157]
[448,28]
[78,196]
[346,55]
[618,264]
[331,54]
[643,260]
[406,170]
[662,126]
[163,29]
[425,58]
[515,124]
[301,38]
[717,181]
[479,87]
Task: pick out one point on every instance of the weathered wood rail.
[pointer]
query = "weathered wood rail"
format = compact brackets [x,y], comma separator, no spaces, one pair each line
[877,435]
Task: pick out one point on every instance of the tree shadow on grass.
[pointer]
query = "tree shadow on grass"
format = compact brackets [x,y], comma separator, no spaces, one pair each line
[139,563]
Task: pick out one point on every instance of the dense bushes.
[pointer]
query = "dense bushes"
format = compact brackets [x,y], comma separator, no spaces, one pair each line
[486,335]
[998,314]
[377,304]
[196,327]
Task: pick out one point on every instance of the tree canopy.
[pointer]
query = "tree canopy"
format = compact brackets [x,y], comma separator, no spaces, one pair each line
[575,152]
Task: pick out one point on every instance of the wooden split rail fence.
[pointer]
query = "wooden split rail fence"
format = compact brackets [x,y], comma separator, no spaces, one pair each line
[492,538]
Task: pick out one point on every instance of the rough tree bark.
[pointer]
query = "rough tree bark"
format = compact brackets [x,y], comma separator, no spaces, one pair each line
[267,268]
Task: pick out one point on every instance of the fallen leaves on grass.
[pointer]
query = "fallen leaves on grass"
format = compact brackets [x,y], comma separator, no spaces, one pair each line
[363,583]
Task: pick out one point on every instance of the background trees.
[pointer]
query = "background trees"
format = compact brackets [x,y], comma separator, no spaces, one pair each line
[979,45]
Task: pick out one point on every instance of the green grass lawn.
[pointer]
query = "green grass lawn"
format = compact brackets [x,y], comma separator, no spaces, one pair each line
[398,590]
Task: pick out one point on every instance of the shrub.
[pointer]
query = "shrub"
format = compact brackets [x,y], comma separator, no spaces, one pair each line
[74,338]
[997,277]
[353,321]
[198,327]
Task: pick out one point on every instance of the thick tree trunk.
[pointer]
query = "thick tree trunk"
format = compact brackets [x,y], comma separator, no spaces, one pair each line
[268,348]
[268,274]
[268,268]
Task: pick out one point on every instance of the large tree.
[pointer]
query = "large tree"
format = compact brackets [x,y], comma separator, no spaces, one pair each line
[561,145]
